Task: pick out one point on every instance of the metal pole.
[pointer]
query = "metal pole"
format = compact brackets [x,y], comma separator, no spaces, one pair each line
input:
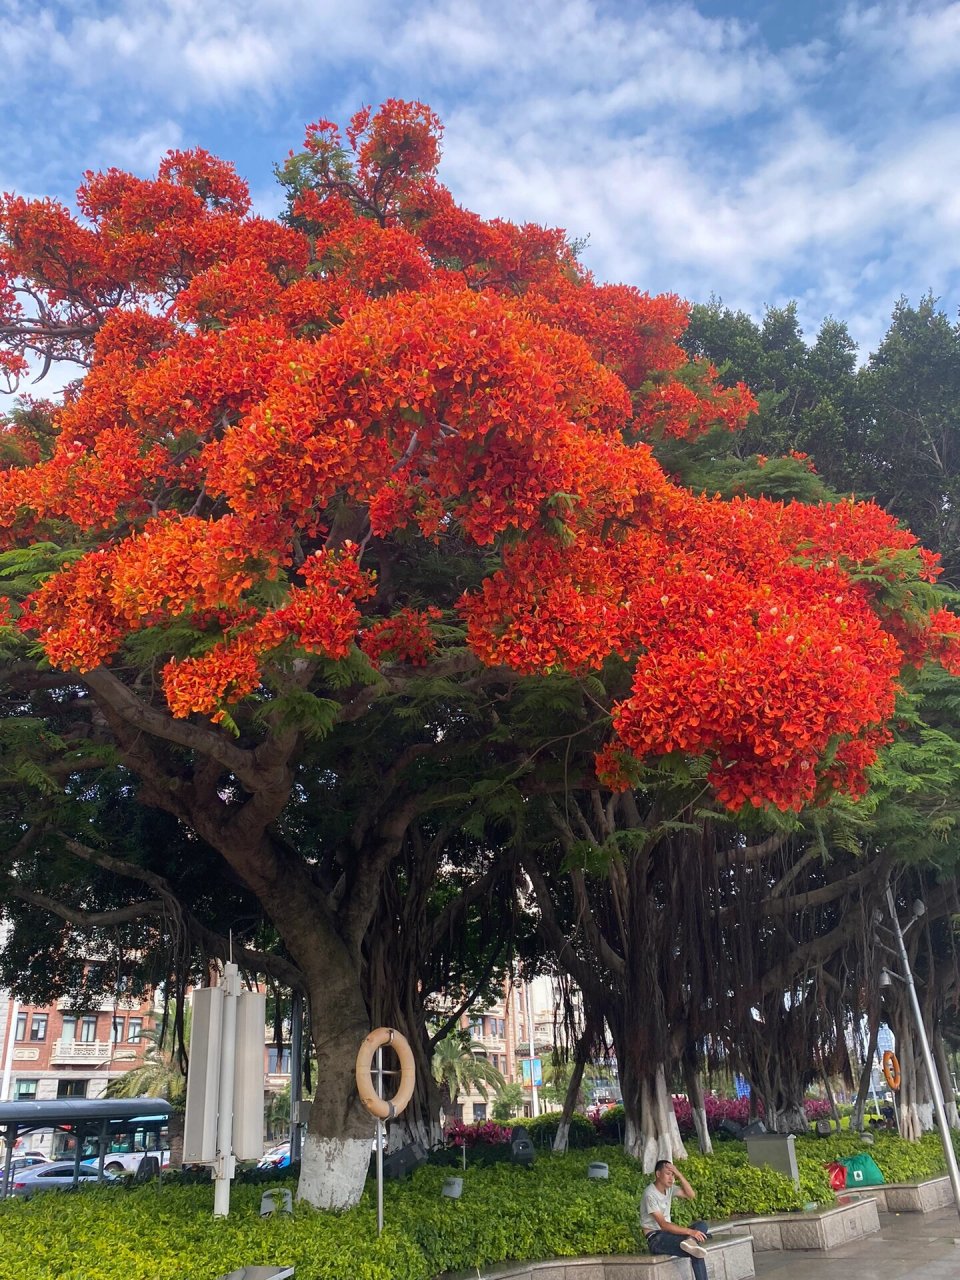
[534,1097]
[296,1073]
[224,1168]
[10,1136]
[379,1141]
[935,1090]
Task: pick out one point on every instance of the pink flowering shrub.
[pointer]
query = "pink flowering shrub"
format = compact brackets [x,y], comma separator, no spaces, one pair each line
[609,1124]
[483,1133]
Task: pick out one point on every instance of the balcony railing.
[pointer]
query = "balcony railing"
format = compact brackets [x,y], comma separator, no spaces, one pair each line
[81,1051]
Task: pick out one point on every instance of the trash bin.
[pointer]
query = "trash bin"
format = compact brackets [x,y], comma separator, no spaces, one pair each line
[774,1151]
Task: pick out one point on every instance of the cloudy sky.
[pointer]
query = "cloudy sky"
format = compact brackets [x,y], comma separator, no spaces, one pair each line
[759,151]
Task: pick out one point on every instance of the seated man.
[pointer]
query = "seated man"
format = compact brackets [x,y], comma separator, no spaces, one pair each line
[663,1236]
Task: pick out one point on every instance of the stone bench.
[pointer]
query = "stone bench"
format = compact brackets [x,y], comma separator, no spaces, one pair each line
[728,1258]
[851,1218]
[909,1197]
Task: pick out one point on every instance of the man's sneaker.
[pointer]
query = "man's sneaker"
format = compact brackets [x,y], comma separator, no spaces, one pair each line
[694,1249]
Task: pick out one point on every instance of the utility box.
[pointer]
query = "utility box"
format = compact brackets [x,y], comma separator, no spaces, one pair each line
[774,1151]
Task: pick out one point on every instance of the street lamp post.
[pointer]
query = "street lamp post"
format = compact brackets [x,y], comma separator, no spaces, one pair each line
[935,1090]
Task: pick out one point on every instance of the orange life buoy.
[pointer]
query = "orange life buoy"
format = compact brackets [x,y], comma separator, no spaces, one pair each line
[385,1108]
[891,1069]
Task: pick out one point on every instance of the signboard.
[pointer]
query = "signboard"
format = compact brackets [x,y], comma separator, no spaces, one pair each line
[537,1071]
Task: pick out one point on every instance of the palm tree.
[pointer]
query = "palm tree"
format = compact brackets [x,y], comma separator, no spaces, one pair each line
[457,1069]
[160,1074]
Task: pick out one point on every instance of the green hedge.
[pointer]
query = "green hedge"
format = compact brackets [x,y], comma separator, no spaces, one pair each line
[505,1213]
[899,1161]
[543,1130]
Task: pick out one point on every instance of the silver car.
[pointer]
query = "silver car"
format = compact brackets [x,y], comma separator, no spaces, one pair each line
[55,1175]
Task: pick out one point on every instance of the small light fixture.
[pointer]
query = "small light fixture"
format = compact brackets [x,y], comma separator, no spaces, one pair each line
[885,979]
[452,1188]
[597,1169]
[919,909]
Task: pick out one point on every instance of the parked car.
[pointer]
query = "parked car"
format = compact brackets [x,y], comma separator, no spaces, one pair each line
[25,1162]
[55,1175]
[276,1157]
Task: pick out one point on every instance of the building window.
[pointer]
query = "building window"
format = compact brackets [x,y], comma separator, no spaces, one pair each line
[69,1031]
[25,1090]
[88,1030]
[278,1064]
[479,1111]
[117,1030]
[476,1030]
[500,1028]
[71,1088]
[21,1026]
[38,1026]
[134,1030]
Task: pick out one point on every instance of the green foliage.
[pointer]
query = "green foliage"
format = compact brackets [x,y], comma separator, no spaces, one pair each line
[899,1161]
[505,1213]
[508,1102]
[543,1130]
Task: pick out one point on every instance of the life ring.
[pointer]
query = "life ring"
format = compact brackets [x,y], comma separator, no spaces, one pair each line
[385,1108]
[891,1069]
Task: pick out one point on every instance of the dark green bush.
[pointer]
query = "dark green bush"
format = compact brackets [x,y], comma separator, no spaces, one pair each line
[543,1130]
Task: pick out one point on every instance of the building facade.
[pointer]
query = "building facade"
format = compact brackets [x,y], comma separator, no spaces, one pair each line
[54,1051]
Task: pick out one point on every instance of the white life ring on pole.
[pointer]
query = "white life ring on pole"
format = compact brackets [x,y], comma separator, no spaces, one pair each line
[385,1108]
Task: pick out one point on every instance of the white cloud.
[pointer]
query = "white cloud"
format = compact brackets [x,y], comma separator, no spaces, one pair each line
[918,41]
[701,154]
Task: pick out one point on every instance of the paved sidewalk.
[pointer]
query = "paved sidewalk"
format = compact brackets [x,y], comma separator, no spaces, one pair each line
[909,1246]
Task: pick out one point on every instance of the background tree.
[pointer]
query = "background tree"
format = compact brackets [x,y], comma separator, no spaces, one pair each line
[508,1102]
[457,1069]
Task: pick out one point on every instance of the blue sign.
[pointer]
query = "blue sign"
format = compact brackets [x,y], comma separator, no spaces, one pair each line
[537,1071]
[741,1088]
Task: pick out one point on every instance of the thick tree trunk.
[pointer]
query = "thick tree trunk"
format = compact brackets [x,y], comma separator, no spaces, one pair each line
[336,1149]
[340,1130]
[654,1133]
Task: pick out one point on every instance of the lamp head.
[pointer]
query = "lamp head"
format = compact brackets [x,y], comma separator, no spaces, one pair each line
[919,909]
[885,979]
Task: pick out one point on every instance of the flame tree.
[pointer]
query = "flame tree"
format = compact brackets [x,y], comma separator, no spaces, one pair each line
[240,523]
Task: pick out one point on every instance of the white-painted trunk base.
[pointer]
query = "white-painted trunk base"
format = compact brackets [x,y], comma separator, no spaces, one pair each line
[333,1171]
[561,1138]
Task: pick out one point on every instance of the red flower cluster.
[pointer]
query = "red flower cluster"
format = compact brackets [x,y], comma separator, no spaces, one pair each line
[387,358]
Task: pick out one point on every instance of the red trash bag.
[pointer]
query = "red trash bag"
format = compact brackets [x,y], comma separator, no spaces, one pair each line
[838,1175]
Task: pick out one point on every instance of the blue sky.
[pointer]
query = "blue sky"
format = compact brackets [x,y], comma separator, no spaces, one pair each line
[758,151]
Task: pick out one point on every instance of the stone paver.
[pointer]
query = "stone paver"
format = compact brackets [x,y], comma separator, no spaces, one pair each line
[909,1246]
